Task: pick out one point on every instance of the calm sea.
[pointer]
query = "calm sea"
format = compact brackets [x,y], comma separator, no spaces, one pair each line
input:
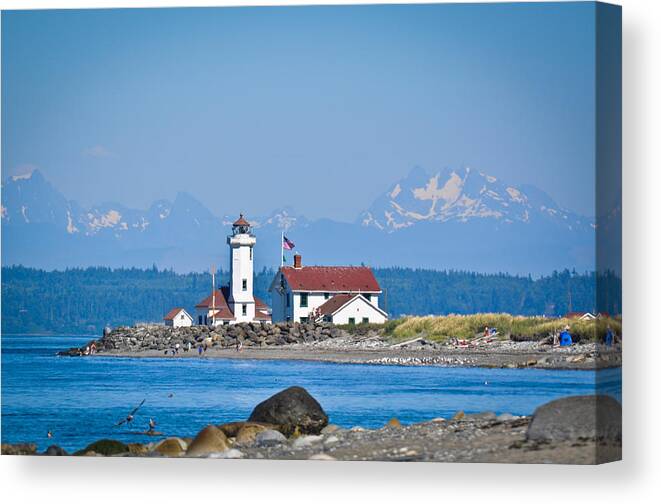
[80,399]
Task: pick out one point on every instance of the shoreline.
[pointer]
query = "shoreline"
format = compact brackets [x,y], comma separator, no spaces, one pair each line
[272,432]
[324,342]
[494,359]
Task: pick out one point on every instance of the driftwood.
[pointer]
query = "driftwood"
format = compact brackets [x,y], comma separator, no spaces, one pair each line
[404,343]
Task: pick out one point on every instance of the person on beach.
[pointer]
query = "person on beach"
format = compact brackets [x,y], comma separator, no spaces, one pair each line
[486,331]
[176,349]
[610,337]
[93,348]
[565,337]
[199,350]
[188,348]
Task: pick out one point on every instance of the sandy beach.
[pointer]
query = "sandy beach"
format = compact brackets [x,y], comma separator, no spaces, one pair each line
[350,350]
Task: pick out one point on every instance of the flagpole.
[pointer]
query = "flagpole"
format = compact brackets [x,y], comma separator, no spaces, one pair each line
[213,295]
[282,248]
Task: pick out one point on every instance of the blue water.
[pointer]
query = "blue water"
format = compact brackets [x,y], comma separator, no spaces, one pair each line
[80,399]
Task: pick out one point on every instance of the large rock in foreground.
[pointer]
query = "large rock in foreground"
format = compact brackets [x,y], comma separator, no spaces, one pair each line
[569,418]
[292,409]
[209,440]
[105,447]
[56,451]
[19,449]
[171,447]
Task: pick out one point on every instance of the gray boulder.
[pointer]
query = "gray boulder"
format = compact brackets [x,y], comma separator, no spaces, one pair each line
[569,418]
[269,437]
[292,409]
[54,450]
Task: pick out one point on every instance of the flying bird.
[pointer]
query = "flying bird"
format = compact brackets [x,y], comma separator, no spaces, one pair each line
[130,416]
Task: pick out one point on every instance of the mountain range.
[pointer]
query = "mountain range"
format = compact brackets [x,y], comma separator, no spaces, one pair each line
[451,219]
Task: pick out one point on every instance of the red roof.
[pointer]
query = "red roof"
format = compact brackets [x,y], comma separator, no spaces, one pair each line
[221,295]
[335,303]
[262,316]
[223,314]
[260,305]
[222,307]
[172,313]
[241,221]
[331,278]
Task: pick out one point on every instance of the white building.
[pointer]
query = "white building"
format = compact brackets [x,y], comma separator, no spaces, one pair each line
[299,292]
[214,310]
[350,309]
[178,317]
[235,303]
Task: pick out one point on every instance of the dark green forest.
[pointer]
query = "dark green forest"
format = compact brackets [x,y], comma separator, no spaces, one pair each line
[85,300]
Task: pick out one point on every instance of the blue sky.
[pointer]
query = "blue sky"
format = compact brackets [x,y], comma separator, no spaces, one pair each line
[318,108]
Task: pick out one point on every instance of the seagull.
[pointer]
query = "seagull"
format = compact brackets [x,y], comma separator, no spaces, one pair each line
[129,417]
[152,424]
[50,434]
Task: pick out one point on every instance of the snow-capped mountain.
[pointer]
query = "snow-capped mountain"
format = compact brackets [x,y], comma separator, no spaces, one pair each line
[30,198]
[463,196]
[451,219]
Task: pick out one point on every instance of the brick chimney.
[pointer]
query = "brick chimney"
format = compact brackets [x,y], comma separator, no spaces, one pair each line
[297,261]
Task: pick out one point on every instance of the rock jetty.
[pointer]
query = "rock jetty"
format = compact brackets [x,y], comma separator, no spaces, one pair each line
[141,338]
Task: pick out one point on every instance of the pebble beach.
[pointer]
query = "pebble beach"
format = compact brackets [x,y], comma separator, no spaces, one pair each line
[321,342]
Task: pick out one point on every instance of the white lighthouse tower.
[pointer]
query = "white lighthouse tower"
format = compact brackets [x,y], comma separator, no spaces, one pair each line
[241,242]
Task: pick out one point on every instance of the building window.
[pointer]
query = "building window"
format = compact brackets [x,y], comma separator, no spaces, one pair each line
[366,320]
[368,297]
[181,316]
[251,253]
[288,300]
[352,321]
[199,319]
[326,295]
[206,320]
[244,284]
[304,319]
[244,310]
[304,299]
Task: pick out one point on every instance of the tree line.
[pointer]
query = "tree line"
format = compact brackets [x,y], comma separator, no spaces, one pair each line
[83,301]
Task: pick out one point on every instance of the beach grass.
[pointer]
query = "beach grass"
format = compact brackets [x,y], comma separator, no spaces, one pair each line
[442,328]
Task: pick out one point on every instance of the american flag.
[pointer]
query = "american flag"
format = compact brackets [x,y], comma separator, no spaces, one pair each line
[287,244]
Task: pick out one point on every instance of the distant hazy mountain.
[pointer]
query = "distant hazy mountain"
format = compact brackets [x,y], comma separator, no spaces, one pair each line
[459,219]
[465,196]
